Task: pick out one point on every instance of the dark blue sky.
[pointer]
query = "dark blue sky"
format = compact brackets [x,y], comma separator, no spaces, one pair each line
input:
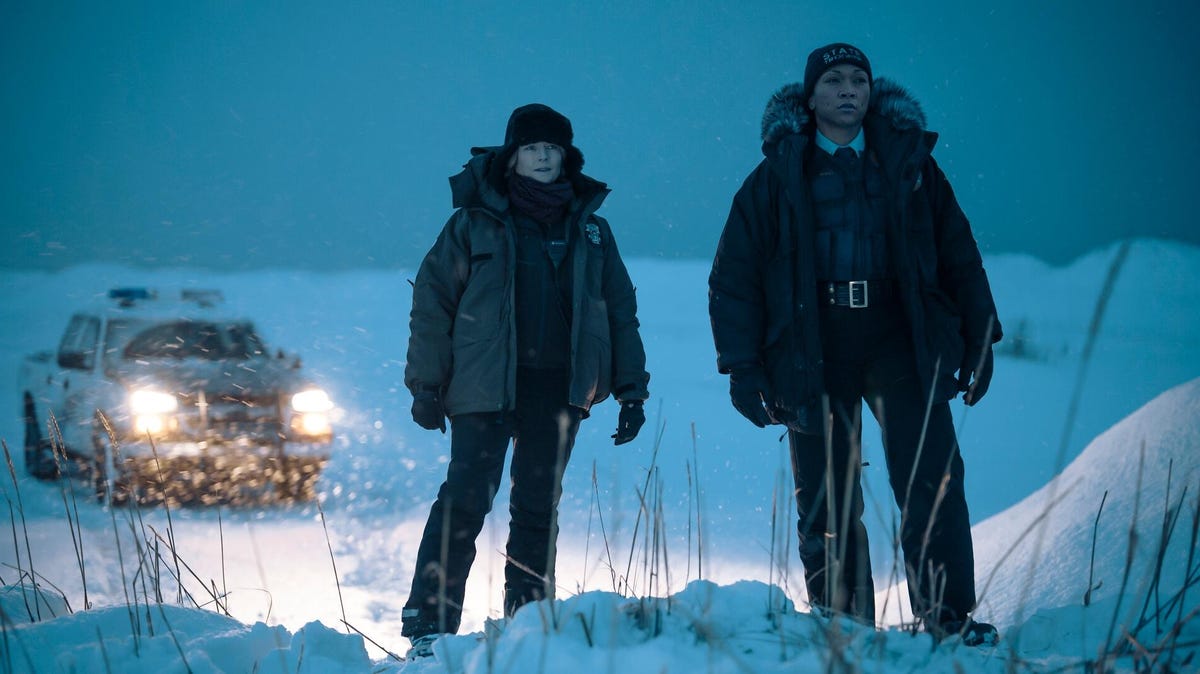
[319,136]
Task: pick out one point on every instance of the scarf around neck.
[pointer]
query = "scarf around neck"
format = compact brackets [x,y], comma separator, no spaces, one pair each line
[545,203]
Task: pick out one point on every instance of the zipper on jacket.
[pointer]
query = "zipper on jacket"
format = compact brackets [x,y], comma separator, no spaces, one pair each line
[510,282]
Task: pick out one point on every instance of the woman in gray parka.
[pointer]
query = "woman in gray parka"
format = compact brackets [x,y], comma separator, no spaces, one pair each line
[523,317]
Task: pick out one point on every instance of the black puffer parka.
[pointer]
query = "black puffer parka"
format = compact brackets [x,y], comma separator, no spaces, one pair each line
[462,339]
[762,288]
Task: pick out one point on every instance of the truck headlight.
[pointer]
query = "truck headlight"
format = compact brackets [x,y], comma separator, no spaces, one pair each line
[311,424]
[312,400]
[312,409]
[150,410]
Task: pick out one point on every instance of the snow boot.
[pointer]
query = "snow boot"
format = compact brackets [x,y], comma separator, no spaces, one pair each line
[973,633]
[422,647]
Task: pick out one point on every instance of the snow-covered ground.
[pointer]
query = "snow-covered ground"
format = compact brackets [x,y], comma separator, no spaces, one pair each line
[288,576]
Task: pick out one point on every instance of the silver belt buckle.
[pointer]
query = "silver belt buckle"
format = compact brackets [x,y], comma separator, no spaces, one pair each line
[854,304]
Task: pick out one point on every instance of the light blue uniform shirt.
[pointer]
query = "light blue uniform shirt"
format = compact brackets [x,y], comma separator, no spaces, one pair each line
[859,144]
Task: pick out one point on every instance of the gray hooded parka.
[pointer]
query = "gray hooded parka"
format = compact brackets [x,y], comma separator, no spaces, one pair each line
[462,334]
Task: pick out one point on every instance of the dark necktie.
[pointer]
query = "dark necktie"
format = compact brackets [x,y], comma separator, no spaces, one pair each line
[846,155]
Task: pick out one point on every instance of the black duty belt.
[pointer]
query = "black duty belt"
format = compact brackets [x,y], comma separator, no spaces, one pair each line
[856,294]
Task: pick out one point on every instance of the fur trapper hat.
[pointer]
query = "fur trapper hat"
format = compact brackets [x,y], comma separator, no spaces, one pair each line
[538,123]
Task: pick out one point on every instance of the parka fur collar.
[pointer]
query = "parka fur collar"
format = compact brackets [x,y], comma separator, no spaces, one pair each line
[787,111]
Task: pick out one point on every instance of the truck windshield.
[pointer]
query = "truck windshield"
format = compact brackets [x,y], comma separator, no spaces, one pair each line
[180,339]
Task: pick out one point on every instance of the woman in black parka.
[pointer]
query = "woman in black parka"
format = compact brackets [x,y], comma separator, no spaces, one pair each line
[848,273]
[523,317]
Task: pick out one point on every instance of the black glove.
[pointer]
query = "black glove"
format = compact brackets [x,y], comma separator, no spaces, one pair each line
[629,421]
[980,370]
[427,410]
[751,395]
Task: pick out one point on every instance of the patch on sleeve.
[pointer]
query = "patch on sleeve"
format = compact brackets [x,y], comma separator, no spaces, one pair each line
[592,230]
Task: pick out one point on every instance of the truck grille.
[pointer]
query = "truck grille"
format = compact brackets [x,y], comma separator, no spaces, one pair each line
[230,416]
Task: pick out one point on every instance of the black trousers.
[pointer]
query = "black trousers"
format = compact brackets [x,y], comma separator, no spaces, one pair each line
[868,356]
[543,429]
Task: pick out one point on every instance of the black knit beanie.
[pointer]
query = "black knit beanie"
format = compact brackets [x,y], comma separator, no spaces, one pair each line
[829,56]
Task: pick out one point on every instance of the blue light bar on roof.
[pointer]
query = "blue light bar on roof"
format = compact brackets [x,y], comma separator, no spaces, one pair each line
[128,295]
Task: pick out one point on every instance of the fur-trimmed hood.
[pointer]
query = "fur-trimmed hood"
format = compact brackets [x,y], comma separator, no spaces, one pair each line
[787,112]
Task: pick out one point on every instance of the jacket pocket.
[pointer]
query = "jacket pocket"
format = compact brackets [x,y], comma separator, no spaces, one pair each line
[779,297]
[593,361]
[943,335]
[481,308]
[922,240]
[477,377]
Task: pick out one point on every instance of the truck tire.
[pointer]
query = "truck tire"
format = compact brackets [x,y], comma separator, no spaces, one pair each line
[39,451]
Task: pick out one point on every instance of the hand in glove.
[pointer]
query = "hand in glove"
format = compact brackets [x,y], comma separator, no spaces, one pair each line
[427,410]
[979,369]
[629,422]
[751,395]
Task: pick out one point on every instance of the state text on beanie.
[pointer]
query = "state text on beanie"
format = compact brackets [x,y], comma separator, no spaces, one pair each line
[830,55]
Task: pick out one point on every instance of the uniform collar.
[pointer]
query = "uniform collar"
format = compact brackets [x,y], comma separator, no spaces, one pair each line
[858,144]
